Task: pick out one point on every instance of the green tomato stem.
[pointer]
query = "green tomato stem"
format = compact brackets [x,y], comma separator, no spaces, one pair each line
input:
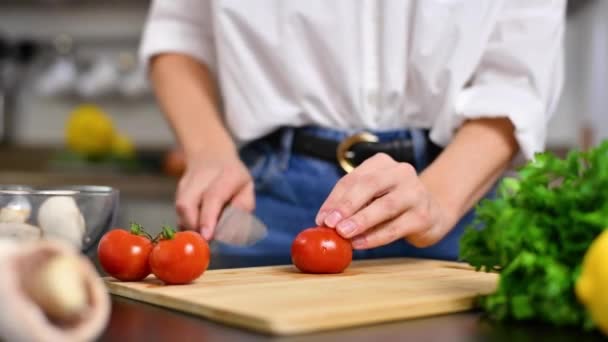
[138,229]
[167,233]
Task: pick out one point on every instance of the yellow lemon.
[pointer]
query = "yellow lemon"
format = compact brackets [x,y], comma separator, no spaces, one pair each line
[122,146]
[592,284]
[89,131]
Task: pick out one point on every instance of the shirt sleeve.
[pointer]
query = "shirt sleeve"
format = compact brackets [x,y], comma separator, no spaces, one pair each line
[519,76]
[179,26]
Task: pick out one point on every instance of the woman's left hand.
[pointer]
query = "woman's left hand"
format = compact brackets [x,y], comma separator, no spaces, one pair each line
[382,201]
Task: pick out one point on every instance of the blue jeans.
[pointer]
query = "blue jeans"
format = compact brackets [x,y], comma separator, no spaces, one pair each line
[290,188]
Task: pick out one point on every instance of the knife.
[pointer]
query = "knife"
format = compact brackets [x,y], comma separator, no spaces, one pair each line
[237,227]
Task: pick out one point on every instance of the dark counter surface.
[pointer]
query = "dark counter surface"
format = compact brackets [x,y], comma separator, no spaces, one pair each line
[136,321]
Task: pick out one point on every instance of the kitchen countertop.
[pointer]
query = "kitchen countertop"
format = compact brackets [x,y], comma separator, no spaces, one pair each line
[35,166]
[137,321]
[139,185]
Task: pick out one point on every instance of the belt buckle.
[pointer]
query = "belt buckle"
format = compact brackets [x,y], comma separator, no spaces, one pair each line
[343,150]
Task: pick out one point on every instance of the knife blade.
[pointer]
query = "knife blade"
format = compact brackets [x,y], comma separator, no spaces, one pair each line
[237,227]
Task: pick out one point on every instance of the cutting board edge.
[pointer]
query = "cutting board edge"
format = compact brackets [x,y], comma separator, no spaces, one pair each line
[239,320]
[290,328]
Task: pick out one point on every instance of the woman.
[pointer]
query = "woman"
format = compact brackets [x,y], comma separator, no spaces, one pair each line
[274,102]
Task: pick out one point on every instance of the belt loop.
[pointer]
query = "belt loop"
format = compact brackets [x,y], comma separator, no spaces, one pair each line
[420,149]
[285,149]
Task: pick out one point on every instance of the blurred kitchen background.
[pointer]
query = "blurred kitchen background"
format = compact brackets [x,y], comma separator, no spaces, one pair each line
[68,71]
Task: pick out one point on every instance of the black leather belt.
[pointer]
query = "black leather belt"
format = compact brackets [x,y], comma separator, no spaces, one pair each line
[355,149]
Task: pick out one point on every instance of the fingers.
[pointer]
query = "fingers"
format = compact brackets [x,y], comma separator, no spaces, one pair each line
[188,201]
[330,212]
[369,188]
[220,192]
[337,192]
[414,225]
[205,189]
[380,210]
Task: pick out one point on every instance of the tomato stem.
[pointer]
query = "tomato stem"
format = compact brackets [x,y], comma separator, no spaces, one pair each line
[138,229]
[167,233]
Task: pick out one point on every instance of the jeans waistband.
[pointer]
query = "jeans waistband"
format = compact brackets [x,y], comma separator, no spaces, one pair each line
[338,135]
[424,150]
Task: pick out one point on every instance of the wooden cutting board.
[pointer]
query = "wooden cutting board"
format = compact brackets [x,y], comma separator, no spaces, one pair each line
[280,300]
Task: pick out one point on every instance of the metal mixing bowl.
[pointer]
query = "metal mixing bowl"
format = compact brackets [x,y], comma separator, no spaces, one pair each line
[97,205]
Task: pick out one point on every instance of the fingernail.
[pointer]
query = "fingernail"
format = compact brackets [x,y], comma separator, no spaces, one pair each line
[359,242]
[346,227]
[206,232]
[320,217]
[333,218]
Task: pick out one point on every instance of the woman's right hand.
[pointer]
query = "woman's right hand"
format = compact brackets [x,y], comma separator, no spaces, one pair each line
[209,183]
[214,175]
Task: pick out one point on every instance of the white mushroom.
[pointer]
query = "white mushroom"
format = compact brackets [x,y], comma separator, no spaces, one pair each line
[49,292]
[60,218]
[17,210]
[59,291]
[19,231]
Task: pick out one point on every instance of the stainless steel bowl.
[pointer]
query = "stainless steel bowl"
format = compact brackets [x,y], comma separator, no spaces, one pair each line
[78,214]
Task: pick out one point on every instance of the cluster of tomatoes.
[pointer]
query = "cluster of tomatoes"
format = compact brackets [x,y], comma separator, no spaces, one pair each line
[181,257]
[173,257]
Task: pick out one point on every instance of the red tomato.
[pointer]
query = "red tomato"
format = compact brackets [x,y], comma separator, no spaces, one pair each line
[179,258]
[321,250]
[124,255]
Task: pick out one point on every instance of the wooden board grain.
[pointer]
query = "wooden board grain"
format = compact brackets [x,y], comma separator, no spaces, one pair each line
[280,300]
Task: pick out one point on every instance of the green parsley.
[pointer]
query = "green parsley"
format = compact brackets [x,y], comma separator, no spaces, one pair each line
[535,234]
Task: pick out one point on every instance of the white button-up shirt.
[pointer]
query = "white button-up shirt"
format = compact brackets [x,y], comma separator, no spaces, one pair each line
[372,64]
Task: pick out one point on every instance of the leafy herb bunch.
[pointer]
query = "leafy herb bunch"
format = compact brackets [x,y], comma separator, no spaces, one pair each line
[536,232]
